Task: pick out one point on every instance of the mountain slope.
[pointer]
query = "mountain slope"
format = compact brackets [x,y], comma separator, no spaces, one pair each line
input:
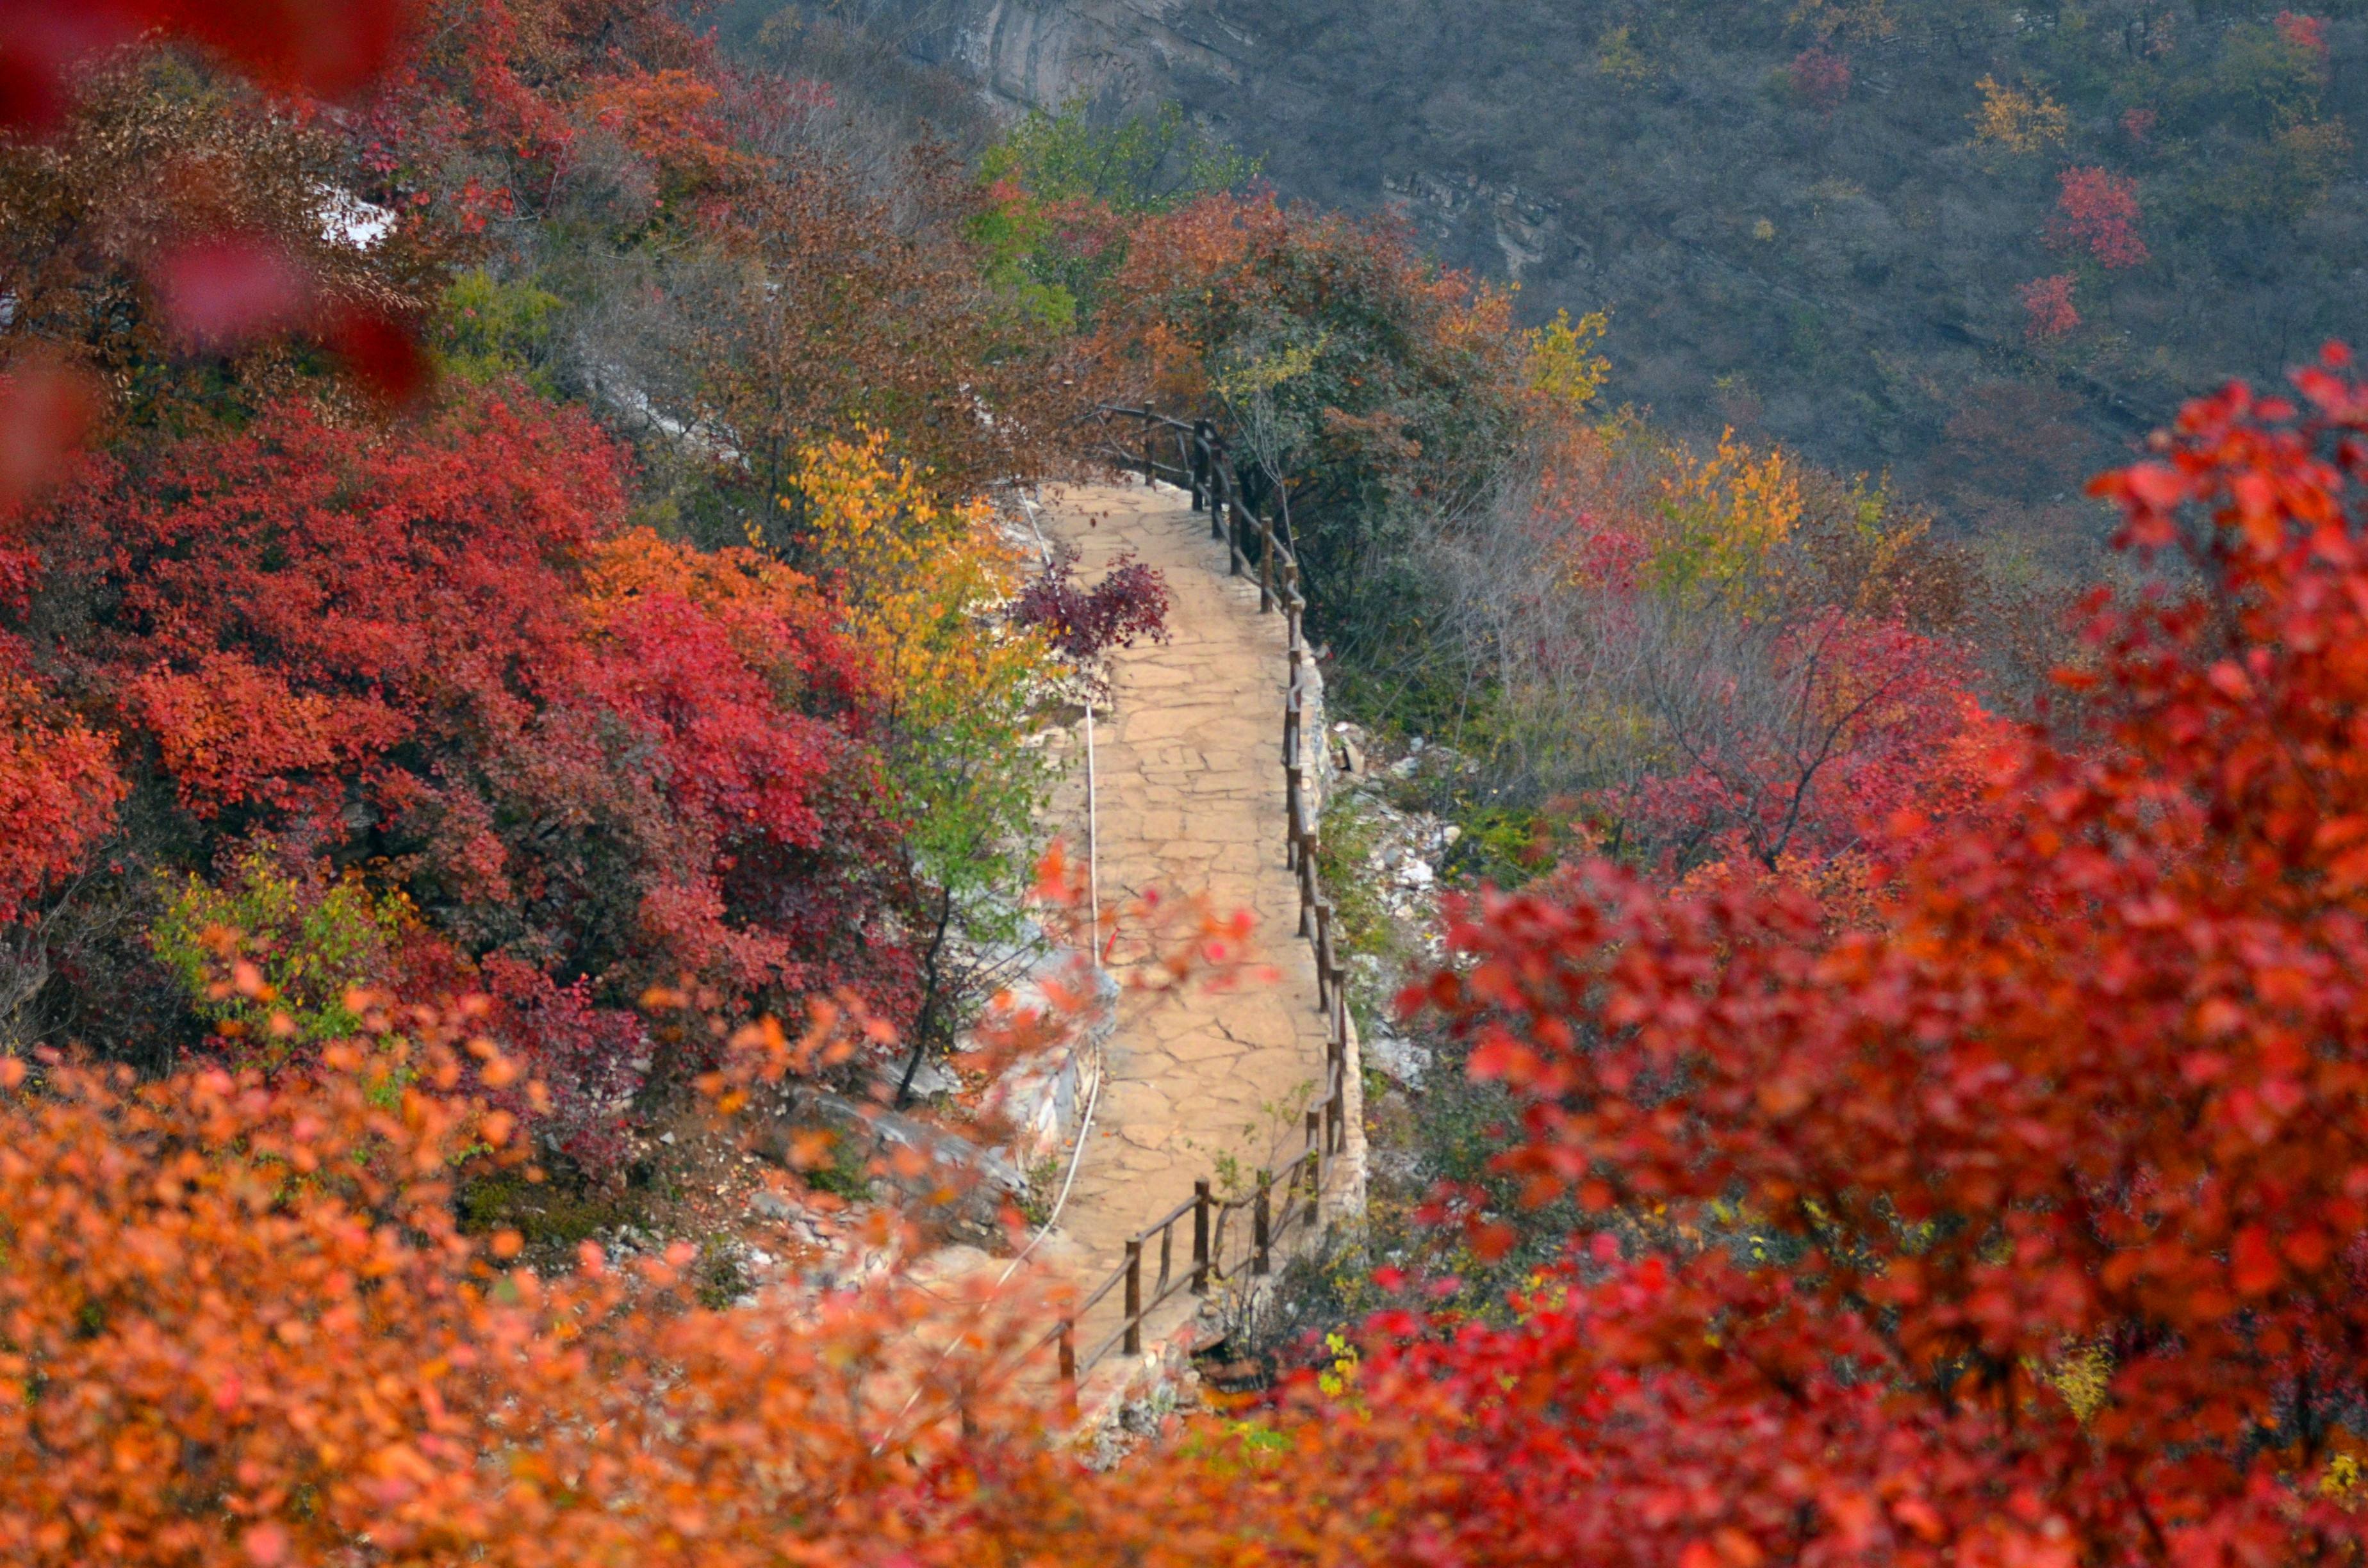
[1814,222]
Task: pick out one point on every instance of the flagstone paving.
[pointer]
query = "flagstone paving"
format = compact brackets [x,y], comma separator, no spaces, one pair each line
[1189,800]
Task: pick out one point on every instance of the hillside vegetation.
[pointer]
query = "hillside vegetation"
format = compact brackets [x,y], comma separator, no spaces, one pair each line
[520,698]
[1980,246]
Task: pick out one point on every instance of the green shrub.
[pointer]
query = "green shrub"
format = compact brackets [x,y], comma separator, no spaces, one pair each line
[313,939]
[493,329]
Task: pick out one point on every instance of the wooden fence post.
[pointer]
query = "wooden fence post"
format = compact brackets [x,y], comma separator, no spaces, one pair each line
[1134,1297]
[1069,1361]
[1266,566]
[1323,953]
[1200,1237]
[1221,484]
[1335,1107]
[1295,785]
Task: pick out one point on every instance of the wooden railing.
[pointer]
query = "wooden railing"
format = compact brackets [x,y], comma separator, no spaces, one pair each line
[1271,1210]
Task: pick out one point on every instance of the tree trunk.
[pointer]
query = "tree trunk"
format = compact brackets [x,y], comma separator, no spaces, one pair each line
[932,991]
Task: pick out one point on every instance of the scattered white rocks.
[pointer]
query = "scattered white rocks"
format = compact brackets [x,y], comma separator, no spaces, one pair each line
[932,1078]
[1403,869]
[1404,1061]
[1348,750]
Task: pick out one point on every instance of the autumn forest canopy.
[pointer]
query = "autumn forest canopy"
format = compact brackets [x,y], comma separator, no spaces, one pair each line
[531,685]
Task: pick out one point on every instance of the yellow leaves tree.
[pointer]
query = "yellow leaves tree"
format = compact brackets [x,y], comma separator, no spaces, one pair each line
[1563,366]
[917,576]
[2021,122]
[1723,518]
[919,579]
[1621,58]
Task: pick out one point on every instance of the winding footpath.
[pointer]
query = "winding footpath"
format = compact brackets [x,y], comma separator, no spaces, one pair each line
[1191,800]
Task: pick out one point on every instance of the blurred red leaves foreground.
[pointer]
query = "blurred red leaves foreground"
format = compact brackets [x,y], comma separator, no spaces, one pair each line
[324,51]
[45,407]
[241,1328]
[216,287]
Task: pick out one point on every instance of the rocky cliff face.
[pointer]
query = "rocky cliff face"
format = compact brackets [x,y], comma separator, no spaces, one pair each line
[1040,54]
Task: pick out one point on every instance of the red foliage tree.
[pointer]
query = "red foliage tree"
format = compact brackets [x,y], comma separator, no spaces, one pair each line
[2097,211]
[1850,721]
[1130,602]
[429,653]
[2307,33]
[58,786]
[2024,1227]
[1821,78]
[2047,307]
[485,111]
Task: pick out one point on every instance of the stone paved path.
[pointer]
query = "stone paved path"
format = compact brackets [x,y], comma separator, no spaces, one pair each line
[1191,787]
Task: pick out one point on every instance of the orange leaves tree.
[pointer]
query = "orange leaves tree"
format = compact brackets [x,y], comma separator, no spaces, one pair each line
[1362,384]
[2024,1225]
[241,1328]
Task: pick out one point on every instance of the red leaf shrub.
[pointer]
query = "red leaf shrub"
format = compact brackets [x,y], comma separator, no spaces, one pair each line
[429,653]
[58,786]
[2097,211]
[2307,33]
[1130,602]
[1821,78]
[2047,307]
[2022,1225]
